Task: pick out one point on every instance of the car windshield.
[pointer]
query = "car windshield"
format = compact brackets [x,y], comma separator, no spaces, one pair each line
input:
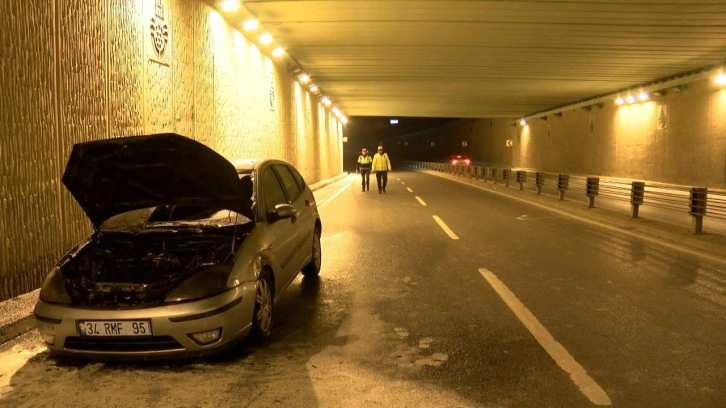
[172,215]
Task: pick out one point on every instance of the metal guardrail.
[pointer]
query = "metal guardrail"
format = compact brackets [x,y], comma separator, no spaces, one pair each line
[699,202]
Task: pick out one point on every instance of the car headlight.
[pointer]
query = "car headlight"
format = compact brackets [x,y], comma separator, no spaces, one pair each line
[207,282]
[54,288]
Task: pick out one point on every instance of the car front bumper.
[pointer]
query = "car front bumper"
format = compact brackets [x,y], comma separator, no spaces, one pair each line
[172,326]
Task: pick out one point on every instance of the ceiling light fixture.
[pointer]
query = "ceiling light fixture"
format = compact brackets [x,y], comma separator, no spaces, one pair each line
[250,24]
[643,96]
[314,88]
[229,5]
[278,52]
[720,79]
[630,99]
[303,78]
[523,122]
[265,38]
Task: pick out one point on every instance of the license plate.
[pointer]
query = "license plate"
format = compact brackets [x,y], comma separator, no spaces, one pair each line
[114,328]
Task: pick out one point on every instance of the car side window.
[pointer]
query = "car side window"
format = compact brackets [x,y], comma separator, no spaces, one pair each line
[288,182]
[273,192]
[298,178]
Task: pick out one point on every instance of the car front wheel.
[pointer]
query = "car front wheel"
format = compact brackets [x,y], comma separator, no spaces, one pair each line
[264,302]
[313,267]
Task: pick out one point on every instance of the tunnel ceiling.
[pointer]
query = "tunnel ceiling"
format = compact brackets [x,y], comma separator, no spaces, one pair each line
[489,59]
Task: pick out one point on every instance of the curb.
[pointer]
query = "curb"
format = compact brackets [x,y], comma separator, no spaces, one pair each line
[17,316]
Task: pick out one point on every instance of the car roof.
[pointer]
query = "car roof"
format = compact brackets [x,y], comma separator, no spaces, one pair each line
[247,165]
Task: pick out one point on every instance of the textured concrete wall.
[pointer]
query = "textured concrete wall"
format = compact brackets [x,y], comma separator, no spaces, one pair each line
[73,71]
[679,138]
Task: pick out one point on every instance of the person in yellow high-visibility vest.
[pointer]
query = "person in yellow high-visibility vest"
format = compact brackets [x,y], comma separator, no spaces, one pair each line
[364,168]
[381,165]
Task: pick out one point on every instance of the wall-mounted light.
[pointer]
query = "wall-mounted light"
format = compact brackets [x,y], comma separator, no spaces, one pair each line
[619,100]
[630,99]
[522,122]
[344,119]
[643,96]
[229,5]
[314,88]
[326,101]
[660,92]
[250,25]
[720,79]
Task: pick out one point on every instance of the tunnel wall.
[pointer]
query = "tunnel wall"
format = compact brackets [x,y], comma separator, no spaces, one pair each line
[74,71]
[678,138]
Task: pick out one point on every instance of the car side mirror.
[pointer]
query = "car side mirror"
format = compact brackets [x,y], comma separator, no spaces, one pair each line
[283,211]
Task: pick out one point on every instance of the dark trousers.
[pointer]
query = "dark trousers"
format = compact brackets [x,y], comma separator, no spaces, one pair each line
[365,175]
[382,180]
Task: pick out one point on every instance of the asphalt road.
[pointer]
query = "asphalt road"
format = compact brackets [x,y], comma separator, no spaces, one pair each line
[438,294]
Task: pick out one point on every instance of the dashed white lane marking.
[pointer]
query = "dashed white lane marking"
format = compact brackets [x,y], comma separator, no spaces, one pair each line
[445,227]
[421,201]
[403,183]
[578,374]
[409,189]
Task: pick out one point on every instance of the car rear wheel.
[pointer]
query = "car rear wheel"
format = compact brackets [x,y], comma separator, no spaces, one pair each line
[264,305]
[313,267]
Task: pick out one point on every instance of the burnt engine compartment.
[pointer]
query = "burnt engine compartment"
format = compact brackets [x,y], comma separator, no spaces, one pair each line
[125,269]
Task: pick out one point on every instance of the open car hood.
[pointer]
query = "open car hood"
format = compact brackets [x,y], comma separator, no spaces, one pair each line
[112,176]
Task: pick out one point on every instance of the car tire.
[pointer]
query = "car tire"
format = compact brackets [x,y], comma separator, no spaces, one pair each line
[264,306]
[313,267]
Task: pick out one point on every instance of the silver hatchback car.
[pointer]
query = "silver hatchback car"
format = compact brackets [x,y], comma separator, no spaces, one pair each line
[188,252]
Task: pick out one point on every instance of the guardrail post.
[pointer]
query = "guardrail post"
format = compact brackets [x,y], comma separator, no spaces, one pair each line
[539,179]
[637,194]
[563,183]
[592,190]
[494,174]
[505,176]
[521,178]
[698,208]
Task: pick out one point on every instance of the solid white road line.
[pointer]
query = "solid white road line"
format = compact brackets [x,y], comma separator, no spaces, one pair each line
[578,374]
[338,192]
[409,189]
[446,228]
[421,201]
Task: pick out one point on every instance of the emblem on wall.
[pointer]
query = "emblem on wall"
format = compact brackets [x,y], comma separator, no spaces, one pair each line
[159,31]
[662,117]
